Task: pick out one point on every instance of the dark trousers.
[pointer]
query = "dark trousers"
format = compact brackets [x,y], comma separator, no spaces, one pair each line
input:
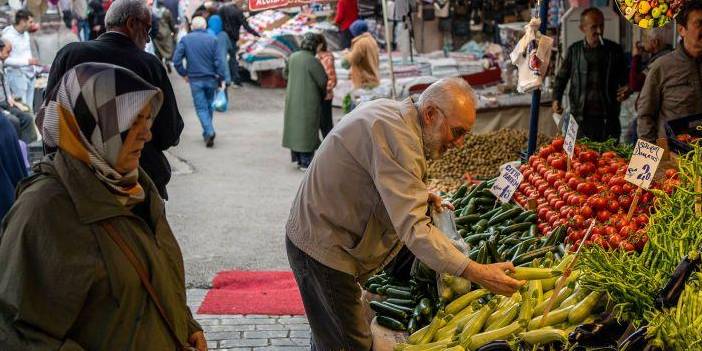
[345,39]
[332,302]
[234,63]
[325,123]
[303,159]
[22,121]
[599,128]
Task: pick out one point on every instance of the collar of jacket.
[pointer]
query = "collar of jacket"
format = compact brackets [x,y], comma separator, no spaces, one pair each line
[364,35]
[684,55]
[410,114]
[92,200]
[117,38]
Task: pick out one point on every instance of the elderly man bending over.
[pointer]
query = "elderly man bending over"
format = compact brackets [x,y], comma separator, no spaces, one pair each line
[364,197]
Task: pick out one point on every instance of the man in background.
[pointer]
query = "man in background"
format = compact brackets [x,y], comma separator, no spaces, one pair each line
[673,87]
[597,71]
[22,121]
[127,23]
[20,65]
[233,18]
[205,72]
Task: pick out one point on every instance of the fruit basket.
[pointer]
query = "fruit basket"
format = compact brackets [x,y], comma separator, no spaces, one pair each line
[649,14]
[682,132]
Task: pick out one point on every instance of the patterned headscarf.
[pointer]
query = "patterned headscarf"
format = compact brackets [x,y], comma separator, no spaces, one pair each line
[310,41]
[90,113]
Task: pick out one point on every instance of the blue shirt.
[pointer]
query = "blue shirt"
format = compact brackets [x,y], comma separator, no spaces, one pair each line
[204,57]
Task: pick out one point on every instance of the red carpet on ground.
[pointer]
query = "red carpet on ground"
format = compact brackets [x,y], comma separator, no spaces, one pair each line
[243,292]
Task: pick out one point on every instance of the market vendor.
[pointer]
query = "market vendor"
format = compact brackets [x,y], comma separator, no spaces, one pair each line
[364,197]
[364,58]
[673,87]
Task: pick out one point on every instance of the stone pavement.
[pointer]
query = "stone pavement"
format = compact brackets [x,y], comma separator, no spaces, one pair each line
[250,332]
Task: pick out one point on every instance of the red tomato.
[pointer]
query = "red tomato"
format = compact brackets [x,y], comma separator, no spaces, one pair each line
[646,197]
[625,201]
[552,202]
[573,183]
[598,202]
[559,163]
[609,155]
[627,246]
[617,189]
[546,150]
[557,144]
[626,232]
[642,220]
[542,188]
[586,212]
[600,241]
[610,230]
[615,240]
[627,188]
[559,204]
[603,215]
[613,206]
[598,230]
[578,221]
[671,173]
[543,211]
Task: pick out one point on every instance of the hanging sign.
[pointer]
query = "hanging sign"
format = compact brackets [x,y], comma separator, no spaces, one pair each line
[643,164]
[260,5]
[571,134]
[507,183]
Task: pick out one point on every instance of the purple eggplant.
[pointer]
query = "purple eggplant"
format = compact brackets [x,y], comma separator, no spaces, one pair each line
[636,341]
[668,297]
[604,332]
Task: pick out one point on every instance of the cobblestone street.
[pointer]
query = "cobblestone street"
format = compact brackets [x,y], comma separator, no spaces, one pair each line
[252,332]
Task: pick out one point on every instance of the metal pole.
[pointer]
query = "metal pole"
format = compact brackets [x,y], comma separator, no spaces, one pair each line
[536,95]
[388,46]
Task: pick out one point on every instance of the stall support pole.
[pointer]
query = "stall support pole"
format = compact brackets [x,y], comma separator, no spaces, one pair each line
[536,95]
[388,46]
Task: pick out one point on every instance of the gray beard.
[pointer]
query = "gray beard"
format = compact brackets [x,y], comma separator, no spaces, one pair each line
[432,144]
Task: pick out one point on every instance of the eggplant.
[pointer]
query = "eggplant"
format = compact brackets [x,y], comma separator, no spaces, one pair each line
[636,341]
[498,345]
[669,295]
[604,332]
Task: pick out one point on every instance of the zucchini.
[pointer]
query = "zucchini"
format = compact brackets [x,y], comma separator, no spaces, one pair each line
[412,325]
[459,285]
[475,324]
[399,287]
[482,255]
[505,318]
[478,340]
[467,219]
[533,231]
[534,273]
[383,309]
[564,294]
[522,216]
[401,302]
[434,326]
[511,213]
[555,235]
[553,318]
[391,323]
[397,293]
[476,238]
[531,218]
[543,336]
[519,227]
[408,310]
[487,215]
[373,288]
[425,306]
[531,255]
[484,201]
[492,247]
[462,302]
[584,308]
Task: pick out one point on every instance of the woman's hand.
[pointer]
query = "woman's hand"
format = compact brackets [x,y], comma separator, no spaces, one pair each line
[197,340]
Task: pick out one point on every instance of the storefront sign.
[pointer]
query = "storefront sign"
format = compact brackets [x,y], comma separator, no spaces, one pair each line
[571,134]
[259,5]
[507,183]
[643,164]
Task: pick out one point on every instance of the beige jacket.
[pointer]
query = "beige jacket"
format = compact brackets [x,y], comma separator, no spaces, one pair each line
[364,59]
[364,195]
[672,90]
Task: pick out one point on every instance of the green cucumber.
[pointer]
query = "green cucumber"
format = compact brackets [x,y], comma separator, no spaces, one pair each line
[391,323]
[383,309]
[399,294]
[531,255]
[519,227]
[467,219]
[511,213]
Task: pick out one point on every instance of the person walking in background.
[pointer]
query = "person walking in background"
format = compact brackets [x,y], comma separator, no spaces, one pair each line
[233,19]
[20,64]
[205,72]
[80,18]
[165,38]
[346,14]
[364,58]
[307,86]
[12,167]
[673,86]
[127,22]
[597,71]
[327,59]
[22,121]
[80,219]
[216,28]
[96,19]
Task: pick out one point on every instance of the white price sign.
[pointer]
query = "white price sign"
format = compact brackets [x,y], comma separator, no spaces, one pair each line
[507,183]
[571,134]
[643,164]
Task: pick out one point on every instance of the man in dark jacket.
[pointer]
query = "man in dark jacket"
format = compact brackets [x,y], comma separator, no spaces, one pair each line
[233,18]
[205,71]
[128,23]
[597,71]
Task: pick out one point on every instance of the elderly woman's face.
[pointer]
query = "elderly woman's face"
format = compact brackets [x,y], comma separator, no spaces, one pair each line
[138,135]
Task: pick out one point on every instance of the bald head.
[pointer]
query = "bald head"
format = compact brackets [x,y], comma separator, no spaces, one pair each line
[198,23]
[447,112]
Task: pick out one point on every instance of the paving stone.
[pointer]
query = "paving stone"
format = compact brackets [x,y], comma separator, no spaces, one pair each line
[235,349]
[292,320]
[299,334]
[223,335]
[243,343]
[243,320]
[228,328]
[271,327]
[290,342]
[297,326]
[204,322]
[281,348]
[212,345]
[268,334]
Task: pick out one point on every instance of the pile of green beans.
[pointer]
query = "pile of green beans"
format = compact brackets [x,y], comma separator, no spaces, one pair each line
[680,327]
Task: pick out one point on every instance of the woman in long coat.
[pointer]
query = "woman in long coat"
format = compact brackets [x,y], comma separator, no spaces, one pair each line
[306,87]
[68,245]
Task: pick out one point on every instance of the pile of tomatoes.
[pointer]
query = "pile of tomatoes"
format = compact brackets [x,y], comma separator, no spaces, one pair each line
[594,188]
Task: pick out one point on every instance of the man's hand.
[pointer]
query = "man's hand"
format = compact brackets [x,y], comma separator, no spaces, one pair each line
[33,61]
[623,93]
[493,277]
[438,203]
[197,340]
[557,108]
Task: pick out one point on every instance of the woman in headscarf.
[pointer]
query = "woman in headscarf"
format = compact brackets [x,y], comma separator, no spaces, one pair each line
[89,225]
[216,28]
[307,85]
[364,58]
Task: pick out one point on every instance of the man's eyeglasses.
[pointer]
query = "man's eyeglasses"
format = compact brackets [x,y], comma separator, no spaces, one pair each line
[456,132]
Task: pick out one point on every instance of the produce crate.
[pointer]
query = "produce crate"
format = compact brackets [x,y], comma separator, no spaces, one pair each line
[686,125]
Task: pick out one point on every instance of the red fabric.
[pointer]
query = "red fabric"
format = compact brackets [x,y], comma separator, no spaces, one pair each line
[636,76]
[346,13]
[242,292]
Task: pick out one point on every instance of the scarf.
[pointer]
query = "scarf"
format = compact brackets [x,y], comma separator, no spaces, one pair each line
[90,113]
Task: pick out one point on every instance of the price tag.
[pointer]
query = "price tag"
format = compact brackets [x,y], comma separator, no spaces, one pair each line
[571,134]
[507,183]
[643,164]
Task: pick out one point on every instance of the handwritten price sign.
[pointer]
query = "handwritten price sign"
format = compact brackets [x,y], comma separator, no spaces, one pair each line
[571,134]
[507,183]
[643,164]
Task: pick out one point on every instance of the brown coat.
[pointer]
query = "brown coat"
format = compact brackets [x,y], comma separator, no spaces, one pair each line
[364,59]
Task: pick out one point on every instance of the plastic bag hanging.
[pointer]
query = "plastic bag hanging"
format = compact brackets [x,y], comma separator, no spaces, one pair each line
[532,56]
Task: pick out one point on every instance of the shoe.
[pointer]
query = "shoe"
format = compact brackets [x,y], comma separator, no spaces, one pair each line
[209,141]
